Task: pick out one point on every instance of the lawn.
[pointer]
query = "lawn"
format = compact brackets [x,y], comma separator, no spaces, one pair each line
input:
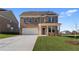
[72,36]
[6,35]
[54,43]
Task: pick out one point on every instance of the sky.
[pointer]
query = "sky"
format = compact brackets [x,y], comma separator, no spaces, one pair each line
[68,17]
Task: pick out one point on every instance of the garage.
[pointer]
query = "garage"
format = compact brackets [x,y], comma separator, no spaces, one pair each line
[30,31]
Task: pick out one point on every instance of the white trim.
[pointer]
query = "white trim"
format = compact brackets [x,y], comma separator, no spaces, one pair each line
[38,16]
[32,16]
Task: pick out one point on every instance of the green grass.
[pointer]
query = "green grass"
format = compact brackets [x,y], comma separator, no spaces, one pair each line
[49,43]
[72,36]
[6,35]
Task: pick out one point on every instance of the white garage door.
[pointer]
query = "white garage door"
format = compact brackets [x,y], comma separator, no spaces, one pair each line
[30,31]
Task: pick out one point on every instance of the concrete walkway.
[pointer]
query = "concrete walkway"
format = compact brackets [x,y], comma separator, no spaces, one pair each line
[18,43]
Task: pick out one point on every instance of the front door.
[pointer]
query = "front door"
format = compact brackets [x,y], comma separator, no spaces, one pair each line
[43,31]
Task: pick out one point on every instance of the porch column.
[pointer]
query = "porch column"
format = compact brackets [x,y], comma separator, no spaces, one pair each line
[47,30]
[39,29]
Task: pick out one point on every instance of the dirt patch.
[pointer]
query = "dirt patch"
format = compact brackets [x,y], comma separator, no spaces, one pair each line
[72,42]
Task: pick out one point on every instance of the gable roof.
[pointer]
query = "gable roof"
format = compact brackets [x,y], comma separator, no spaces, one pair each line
[40,13]
[1,9]
[8,14]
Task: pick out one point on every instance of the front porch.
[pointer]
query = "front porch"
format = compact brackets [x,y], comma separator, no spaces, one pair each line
[49,29]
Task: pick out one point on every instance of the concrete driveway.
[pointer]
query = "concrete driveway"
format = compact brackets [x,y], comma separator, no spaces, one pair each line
[18,43]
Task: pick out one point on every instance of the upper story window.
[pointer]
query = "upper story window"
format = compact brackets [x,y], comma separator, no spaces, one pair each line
[8,25]
[36,20]
[52,19]
[41,19]
[49,19]
[56,19]
[30,20]
[25,20]
[10,21]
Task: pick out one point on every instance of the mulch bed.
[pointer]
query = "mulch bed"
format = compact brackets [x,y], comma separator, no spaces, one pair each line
[72,42]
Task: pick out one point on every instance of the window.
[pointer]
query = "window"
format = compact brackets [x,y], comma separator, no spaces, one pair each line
[54,28]
[36,20]
[53,20]
[12,28]
[49,29]
[56,19]
[42,19]
[30,20]
[10,21]
[8,25]
[25,20]
[49,19]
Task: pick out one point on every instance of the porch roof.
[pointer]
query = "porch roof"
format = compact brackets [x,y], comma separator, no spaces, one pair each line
[49,24]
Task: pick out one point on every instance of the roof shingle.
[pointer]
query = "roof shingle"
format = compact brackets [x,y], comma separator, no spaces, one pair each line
[41,13]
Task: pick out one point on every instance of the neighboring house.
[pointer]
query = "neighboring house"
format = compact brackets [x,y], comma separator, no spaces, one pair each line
[74,32]
[41,23]
[8,22]
[66,32]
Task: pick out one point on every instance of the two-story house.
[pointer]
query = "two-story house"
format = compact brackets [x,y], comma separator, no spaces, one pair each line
[41,23]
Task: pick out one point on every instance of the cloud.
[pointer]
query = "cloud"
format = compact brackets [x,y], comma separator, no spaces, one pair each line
[71,12]
[61,15]
[68,13]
